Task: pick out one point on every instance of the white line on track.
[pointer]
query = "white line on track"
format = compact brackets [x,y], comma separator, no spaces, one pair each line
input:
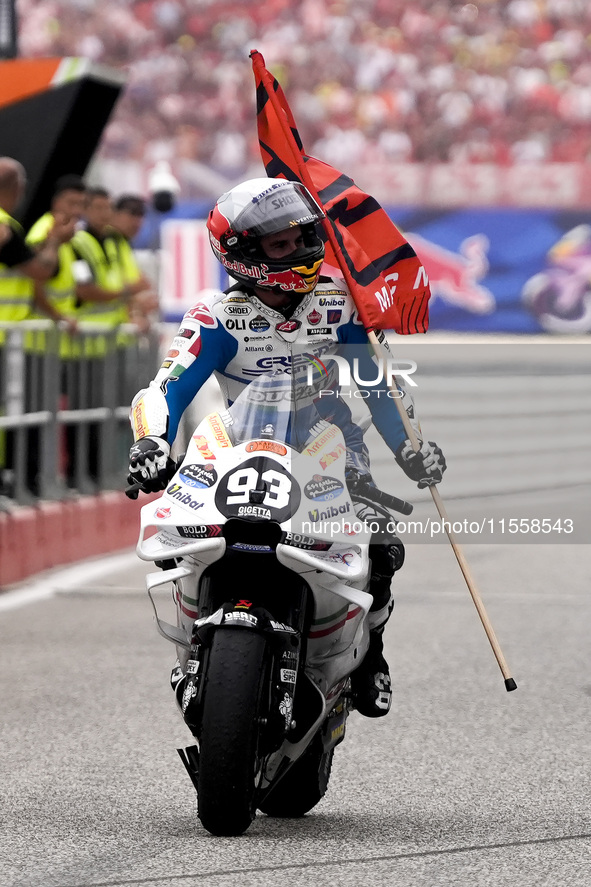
[65,579]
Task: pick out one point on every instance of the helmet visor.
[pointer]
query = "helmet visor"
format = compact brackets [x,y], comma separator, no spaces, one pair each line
[283,205]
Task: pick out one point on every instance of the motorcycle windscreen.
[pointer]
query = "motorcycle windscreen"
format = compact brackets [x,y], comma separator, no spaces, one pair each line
[276,407]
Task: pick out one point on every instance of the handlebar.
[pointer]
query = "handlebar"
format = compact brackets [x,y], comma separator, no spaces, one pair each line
[364,490]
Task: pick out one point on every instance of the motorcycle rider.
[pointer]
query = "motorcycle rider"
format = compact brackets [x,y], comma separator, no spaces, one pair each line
[265,232]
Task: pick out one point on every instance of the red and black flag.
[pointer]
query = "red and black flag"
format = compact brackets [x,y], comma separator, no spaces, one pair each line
[386,279]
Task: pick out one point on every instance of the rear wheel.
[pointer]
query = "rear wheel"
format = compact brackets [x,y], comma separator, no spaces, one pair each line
[230,729]
[304,784]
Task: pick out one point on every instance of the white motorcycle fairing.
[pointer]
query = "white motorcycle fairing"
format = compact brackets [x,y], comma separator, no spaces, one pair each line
[186,523]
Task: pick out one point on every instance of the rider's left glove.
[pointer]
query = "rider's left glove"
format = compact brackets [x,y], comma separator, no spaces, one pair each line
[426,466]
[150,464]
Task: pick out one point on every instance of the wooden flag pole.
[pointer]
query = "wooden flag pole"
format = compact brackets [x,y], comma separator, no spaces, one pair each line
[378,347]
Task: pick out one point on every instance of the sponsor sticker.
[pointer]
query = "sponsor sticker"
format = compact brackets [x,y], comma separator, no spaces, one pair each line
[219,432]
[237,309]
[175,491]
[201,531]
[235,324]
[202,444]
[248,546]
[185,333]
[323,489]
[240,616]
[167,541]
[301,541]
[198,475]
[268,446]
[332,303]
[321,441]
[162,513]
[287,675]
[333,316]
[259,324]
[314,317]
[321,331]
[288,326]
[140,424]
[282,626]
[254,511]
[331,457]
[332,511]
[202,315]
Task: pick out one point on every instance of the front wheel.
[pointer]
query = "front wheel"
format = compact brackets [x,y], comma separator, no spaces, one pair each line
[230,730]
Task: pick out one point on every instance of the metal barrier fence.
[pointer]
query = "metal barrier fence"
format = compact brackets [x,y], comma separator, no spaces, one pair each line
[64,406]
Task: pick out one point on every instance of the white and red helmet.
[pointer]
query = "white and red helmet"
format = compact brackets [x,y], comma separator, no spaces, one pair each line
[265,206]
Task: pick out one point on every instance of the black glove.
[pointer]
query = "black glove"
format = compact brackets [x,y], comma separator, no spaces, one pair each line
[426,467]
[150,464]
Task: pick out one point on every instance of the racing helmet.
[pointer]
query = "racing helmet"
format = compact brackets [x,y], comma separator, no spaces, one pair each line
[258,207]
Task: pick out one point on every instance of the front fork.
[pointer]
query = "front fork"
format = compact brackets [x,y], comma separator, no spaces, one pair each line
[284,642]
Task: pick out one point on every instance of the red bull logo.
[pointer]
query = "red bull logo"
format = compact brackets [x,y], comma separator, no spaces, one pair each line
[454,276]
[287,280]
[300,280]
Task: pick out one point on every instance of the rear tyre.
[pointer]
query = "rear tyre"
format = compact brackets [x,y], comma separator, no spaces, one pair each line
[303,785]
[230,727]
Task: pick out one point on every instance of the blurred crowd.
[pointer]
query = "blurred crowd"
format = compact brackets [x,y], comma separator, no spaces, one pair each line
[369,81]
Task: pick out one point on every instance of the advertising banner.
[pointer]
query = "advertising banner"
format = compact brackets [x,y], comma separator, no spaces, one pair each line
[494,270]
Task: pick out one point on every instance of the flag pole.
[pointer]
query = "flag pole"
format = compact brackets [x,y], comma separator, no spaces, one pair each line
[379,345]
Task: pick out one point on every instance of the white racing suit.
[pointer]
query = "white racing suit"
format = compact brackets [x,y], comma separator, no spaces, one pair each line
[237,337]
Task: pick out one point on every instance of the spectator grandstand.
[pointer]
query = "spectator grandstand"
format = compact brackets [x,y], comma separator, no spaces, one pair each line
[372,83]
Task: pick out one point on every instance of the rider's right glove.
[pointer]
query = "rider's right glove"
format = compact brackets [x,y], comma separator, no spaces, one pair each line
[426,466]
[149,464]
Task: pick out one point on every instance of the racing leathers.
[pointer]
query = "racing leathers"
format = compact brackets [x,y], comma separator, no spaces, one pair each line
[238,338]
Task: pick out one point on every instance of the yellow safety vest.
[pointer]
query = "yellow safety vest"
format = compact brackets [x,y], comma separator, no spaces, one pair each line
[60,290]
[127,259]
[108,274]
[16,290]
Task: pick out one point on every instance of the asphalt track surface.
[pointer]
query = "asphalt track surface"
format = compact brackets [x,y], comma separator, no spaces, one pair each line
[462,784]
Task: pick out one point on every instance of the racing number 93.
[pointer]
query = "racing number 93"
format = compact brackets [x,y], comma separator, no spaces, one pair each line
[282,493]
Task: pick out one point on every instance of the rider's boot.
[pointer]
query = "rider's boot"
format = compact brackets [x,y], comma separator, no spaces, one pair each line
[370,682]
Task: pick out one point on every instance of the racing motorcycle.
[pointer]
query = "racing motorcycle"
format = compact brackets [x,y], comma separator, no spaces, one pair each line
[258,535]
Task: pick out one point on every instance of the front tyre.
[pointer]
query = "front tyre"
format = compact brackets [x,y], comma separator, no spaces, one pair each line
[230,729]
